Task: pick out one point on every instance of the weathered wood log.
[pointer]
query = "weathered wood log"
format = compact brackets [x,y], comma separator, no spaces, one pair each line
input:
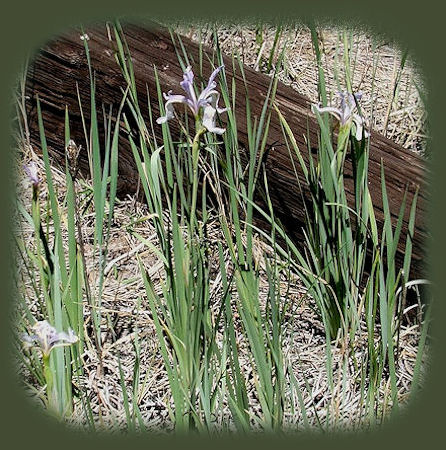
[61,67]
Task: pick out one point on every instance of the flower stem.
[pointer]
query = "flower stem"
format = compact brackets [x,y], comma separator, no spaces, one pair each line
[343,139]
[195,155]
[50,388]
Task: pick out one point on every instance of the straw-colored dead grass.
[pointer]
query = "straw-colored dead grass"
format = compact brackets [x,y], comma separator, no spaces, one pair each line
[126,315]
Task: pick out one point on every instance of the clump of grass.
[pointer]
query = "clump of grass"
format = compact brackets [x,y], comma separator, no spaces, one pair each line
[192,356]
[61,279]
[262,324]
[184,317]
[342,238]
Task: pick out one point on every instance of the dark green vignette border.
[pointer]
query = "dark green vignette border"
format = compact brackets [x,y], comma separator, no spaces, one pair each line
[419,27]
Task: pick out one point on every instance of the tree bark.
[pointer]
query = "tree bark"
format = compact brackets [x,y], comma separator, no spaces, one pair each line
[60,70]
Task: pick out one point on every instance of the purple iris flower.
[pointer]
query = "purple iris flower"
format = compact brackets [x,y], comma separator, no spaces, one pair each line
[32,172]
[345,113]
[46,337]
[206,101]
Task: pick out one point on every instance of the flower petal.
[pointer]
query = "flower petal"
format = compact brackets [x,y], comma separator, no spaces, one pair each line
[32,173]
[29,341]
[64,339]
[329,109]
[211,84]
[359,123]
[209,113]
[212,99]
[347,105]
[169,106]
[188,84]
[215,73]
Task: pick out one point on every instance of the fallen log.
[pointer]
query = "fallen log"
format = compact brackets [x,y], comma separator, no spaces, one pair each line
[60,70]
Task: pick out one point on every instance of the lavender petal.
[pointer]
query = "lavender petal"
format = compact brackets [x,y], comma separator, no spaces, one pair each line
[336,112]
[209,113]
[171,101]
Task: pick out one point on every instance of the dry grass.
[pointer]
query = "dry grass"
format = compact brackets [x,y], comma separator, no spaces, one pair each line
[127,314]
